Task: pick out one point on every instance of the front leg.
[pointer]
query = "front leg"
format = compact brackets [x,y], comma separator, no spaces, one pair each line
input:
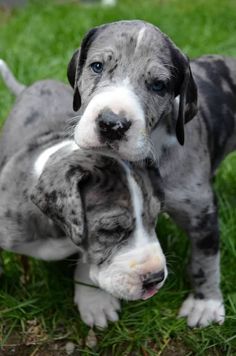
[205,305]
[96,306]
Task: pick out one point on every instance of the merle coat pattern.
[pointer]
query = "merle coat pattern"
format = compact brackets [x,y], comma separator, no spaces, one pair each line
[185,171]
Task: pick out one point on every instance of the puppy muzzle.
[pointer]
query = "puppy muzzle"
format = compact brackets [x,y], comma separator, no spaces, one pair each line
[114,118]
[132,276]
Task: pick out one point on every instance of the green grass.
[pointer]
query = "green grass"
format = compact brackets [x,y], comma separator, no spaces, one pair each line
[37,42]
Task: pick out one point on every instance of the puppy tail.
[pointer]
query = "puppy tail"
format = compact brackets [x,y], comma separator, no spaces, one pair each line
[11,82]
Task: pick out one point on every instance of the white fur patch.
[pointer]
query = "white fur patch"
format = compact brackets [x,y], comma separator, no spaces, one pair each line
[46,154]
[119,98]
[126,81]
[177,100]
[202,312]
[140,234]
[140,37]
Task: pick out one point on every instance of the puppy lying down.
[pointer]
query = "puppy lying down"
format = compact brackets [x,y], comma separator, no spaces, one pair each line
[57,200]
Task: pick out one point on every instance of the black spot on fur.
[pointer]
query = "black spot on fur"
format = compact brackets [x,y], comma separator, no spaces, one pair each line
[199,274]
[209,244]
[199,295]
[25,193]
[111,71]
[8,213]
[53,196]
[45,92]
[32,118]
[2,164]
[199,277]
[74,221]
[96,81]
[19,218]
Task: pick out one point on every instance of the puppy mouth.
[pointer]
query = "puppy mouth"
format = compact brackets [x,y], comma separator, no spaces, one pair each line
[148,293]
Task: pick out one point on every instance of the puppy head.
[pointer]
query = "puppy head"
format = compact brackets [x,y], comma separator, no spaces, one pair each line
[109,210]
[126,76]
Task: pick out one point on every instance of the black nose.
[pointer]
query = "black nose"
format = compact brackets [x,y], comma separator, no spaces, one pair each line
[153,279]
[111,126]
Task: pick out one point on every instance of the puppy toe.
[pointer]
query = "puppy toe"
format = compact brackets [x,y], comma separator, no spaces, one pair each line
[112,315]
[186,307]
[202,312]
[96,306]
[115,303]
[87,318]
[100,320]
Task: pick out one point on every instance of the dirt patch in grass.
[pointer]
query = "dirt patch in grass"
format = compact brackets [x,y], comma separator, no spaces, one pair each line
[47,349]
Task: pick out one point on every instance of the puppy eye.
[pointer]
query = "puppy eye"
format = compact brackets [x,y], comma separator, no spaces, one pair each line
[158,86]
[118,233]
[97,67]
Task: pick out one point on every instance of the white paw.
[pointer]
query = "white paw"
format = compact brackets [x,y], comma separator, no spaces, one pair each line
[96,306]
[202,312]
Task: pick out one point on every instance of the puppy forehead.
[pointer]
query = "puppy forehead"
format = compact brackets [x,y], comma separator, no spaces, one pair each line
[136,36]
[109,184]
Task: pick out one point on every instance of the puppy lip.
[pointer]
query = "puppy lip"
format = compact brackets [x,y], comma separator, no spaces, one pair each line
[149,293]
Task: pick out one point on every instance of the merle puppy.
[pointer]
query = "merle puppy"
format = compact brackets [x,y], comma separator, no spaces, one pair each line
[57,200]
[139,96]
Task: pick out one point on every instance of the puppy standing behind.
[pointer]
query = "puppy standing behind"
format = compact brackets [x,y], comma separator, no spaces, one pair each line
[94,205]
[138,95]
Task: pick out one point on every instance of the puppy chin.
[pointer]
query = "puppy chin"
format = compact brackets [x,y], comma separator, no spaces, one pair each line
[130,149]
[134,151]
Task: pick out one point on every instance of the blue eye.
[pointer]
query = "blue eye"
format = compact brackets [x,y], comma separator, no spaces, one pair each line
[158,86]
[97,67]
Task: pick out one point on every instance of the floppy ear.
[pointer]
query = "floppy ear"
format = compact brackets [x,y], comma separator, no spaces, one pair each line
[187,103]
[58,195]
[72,74]
[76,64]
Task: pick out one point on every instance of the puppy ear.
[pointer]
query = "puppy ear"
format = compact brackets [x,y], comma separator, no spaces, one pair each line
[72,75]
[187,103]
[76,64]
[58,195]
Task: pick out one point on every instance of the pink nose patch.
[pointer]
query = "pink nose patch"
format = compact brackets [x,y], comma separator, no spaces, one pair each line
[149,293]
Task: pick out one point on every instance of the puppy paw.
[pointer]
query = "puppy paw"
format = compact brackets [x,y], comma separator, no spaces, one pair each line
[96,306]
[202,312]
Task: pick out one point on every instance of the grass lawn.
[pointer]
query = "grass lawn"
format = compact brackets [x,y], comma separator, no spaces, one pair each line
[37,316]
